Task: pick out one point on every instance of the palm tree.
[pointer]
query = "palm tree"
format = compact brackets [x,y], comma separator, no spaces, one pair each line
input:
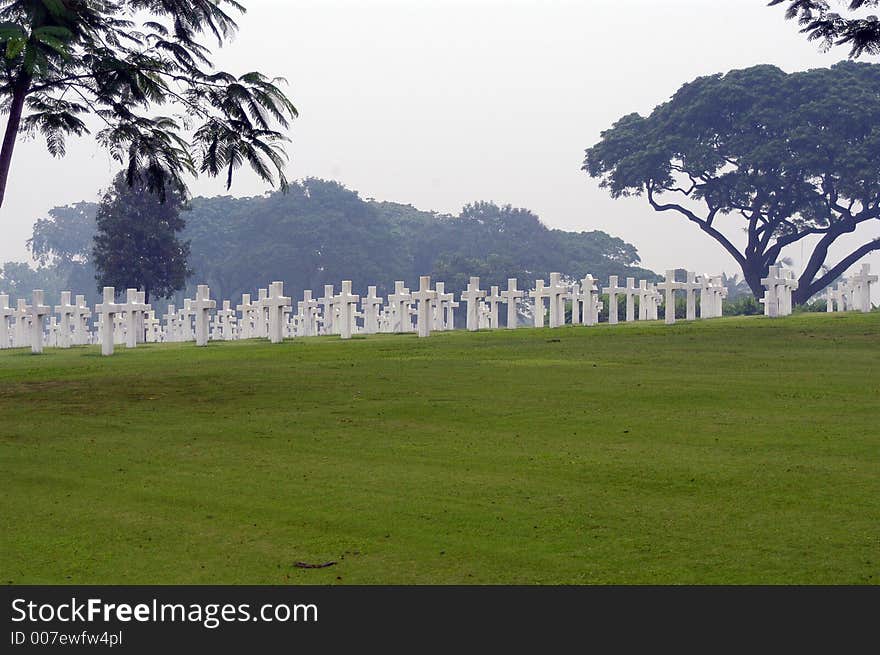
[65,60]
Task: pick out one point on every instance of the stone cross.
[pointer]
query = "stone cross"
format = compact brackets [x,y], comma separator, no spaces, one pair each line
[202,307]
[385,321]
[830,298]
[119,327]
[132,309]
[224,322]
[108,311]
[613,290]
[52,335]
[308,309]
[22,334]
[590,295]
[66,311]
[862,282]
[425,297]
[326,302]
[538,296]
[346,302]
[152,328]
[142,316]
[444,308]
[246,324]
[473,296]
[845,295]
[493,299]
[37,312]
[656,299]
[399,303]
[644,300]
[261,314]
[171,324]
[483,316]
[719,293]
[771,285]
[691,286]
[184,321]
[81,317]
[6,312]
[511,297]
[669,286]
[557,292]
[370,305]
[630,292]
[275,302]
[705,296]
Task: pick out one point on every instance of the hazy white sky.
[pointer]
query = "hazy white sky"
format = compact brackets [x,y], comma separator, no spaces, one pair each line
[439,103]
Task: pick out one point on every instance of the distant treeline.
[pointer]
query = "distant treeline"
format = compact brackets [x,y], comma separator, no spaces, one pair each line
[321,233]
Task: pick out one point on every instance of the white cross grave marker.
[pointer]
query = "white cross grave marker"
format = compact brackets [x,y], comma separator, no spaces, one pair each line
[132,309]
[6,312]
[691,286]
[590,293]
[473,296]
[370,305]
[511,297]
[862,282]
[37,312]
[108,311]
[493,299]
[538,295]
[275,303]
[346,302]
[22,323]
[771,285]
[613,290]
[202,307]
[669,286]
[66,311]
[170,324]
[308,308]
[557,292]
[425,298]
[630,292]
[399,303]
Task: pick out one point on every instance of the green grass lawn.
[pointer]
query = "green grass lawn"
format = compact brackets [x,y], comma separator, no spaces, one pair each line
[740,450]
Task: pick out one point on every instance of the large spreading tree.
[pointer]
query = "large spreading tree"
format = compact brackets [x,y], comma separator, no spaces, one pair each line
[137,243]
[70,66]
[794,157]
[819,21]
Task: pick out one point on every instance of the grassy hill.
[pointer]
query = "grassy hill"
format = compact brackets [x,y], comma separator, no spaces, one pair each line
[740,450]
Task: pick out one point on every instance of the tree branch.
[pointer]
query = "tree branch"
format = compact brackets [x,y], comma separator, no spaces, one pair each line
[832,274]
[705,225]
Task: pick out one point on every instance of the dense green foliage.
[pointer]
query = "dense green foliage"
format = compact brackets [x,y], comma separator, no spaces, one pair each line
[791,156]
[738,450]
[137,243]
[66,63]
[321,233]
[820,22]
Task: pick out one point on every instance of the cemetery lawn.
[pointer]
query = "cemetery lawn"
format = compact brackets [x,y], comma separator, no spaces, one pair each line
[738,450]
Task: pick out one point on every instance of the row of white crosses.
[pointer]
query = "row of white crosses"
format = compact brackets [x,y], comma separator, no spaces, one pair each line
[275,317]
[779,285]
[852,293]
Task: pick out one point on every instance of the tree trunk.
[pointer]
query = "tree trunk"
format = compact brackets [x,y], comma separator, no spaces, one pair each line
[753,270]
[16,107]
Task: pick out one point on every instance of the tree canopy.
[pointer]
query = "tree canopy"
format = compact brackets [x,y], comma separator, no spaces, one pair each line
[321,233]
[820,23]
[791,155]
[136,244]
[66,61]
